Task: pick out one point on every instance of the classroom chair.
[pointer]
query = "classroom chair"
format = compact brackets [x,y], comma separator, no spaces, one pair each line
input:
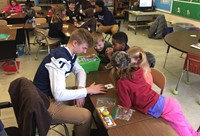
[159,79]
[43,40]
[11,131]
[30,107]
[40,20]
[38,11]
[109,33]
[192,64]
[37,22]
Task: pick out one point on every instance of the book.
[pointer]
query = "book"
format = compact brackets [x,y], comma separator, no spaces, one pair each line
[197,45]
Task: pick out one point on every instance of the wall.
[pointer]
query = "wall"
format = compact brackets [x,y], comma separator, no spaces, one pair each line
[3,4]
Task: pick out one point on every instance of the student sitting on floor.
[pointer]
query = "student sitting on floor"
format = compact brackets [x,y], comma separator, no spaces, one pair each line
[100,46]
[13,7]
[75,17]
[134,91]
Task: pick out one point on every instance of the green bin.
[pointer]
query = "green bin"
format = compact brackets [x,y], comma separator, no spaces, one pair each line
[89,63]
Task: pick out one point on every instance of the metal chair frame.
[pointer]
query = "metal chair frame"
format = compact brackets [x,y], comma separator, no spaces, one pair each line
[192,64]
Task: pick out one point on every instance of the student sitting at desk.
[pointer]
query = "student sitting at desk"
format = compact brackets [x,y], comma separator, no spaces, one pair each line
[13,7]
[56,24]
[51,78]
[134,91]
[105,19]
[30,12]
[120,43]
[100,46]
[72,12]
[75,17]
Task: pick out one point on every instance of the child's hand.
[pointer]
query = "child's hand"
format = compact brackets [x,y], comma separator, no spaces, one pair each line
[96,89]
[98,23]
[109,52]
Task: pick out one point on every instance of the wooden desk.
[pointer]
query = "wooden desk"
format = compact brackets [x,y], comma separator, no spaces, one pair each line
[68,28]
[139,124]
[140,19]
[181,41]
[103,78]
[16,18]
[151,127]
[8,47]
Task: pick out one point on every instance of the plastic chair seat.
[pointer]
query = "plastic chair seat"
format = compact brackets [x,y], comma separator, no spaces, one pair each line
[192,64]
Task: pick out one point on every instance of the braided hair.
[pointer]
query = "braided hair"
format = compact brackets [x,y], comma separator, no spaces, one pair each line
[123,68]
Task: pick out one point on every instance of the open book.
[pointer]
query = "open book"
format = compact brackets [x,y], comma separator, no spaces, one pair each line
[196,45]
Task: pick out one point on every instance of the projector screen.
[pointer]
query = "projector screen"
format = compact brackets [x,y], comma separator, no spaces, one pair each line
[145,3]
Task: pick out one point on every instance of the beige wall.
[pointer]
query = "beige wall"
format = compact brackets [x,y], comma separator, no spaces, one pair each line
[173,19]
[3,4]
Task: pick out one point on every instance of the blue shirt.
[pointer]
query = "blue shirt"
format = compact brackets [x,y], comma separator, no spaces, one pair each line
[1,125]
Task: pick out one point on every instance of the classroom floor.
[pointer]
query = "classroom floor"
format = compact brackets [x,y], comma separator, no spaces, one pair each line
[188,93]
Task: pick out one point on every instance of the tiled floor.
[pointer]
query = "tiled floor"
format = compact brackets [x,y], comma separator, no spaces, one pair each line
[188,95]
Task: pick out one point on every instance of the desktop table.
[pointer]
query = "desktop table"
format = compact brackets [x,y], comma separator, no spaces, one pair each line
[139,124]
[140,19]
[181,41]
[150,127]
[8,46]
[16,18]
[68,28]
[103,78]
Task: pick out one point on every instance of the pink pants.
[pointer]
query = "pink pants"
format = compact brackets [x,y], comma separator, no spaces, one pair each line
[173,114]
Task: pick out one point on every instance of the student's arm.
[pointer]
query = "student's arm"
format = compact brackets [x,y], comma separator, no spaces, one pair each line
[123,94]
[58,85]
[109,52]
[79,74]
[7,9]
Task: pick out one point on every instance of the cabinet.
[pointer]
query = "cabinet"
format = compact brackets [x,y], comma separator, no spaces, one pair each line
[120,6]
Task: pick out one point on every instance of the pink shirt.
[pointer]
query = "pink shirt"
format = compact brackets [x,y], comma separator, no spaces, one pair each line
[13,9]
[149,78]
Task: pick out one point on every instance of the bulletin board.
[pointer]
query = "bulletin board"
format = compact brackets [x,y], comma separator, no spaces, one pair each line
[163,5]
[187,8]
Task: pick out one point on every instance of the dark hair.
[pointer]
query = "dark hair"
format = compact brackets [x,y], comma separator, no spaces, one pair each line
[123,68]
[120,37]
[71,1]
[14,1]
[99,3]
[29,4]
